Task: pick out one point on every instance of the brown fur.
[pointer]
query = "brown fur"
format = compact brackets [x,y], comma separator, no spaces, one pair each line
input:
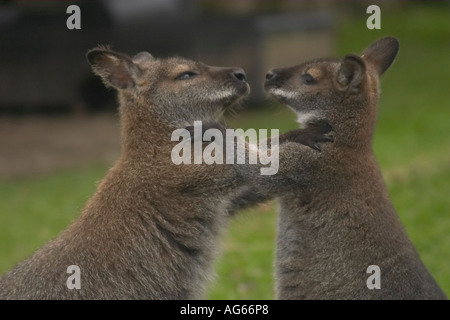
[337,223]
[151,229]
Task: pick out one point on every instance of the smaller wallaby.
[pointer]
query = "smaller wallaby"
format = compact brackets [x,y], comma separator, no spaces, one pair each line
[339,227]
[152,228]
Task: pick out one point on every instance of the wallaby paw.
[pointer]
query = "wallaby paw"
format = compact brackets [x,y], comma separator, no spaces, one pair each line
[316,133]
[325,138]
[319,127]
[197,135]
[322,139]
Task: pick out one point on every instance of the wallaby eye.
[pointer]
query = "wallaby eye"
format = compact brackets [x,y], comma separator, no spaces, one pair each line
[186,75]
[308,79]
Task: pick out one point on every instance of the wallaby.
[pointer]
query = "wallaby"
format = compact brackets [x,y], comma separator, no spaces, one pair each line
[152,228]
[339,236]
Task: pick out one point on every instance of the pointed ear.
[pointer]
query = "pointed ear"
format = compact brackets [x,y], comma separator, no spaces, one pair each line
[143,57]
[116,69]
[381,53]
[351,73]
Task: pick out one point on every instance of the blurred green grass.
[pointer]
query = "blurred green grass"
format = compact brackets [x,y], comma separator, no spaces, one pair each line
[35,210]
[412,144]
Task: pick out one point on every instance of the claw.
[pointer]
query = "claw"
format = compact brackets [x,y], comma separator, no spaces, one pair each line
[316,146]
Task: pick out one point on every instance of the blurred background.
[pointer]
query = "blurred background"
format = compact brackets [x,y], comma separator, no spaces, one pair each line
[59,125]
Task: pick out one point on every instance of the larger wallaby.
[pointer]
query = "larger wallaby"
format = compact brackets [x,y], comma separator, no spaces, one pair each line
[338,230]
[151,229]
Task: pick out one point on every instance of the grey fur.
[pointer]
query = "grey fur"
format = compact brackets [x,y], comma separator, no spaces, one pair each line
[152,228]
[334,225]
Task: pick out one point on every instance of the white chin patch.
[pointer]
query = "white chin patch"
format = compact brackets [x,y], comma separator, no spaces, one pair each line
[283,93]
[303,118]
[221,95]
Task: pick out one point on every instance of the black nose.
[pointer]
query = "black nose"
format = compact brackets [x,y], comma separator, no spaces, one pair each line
[270,75]
[240,75]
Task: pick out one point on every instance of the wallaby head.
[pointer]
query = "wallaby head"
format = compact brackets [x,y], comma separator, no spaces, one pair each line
[176,90]
[344,92]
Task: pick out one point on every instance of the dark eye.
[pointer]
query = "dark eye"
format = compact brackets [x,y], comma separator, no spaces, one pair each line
[187,75]
[308,79]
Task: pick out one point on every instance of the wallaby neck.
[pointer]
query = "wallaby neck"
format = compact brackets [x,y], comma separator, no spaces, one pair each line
[143,136]
[354,132]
